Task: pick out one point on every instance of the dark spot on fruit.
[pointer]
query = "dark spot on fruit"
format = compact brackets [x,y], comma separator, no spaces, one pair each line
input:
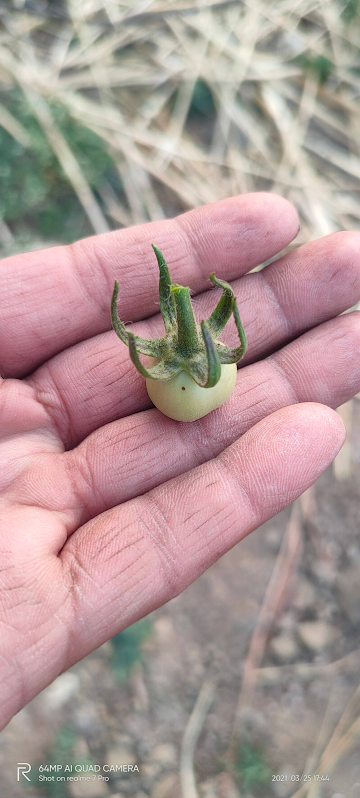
[183,389]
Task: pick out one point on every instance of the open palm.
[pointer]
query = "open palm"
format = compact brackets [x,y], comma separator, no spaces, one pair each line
[108,508]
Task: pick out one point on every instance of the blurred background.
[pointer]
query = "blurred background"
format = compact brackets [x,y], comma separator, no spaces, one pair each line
[116,113]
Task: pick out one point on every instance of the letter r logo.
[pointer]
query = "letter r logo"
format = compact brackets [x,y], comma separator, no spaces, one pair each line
[24,768]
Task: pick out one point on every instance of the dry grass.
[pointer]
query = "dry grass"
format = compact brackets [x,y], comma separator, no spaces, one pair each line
[343,740]
[276,102]
[273,604]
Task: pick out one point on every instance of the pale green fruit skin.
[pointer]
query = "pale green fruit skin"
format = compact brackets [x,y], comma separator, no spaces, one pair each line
[194,402]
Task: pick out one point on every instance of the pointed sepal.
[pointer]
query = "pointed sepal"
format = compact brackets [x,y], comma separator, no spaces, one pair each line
[226,306]
[162,371]
[167,304]
[214,365]
[117,324]
[146,346]
[216,322]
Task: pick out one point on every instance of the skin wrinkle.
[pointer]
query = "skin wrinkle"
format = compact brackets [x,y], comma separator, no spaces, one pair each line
[200,510]
[34,645]
[8,625]
[279,308]
[190,249]
[133,425]
[199,526]
[335,272]
[26,695]
[221,465]
[7,662]
[115,529]
[91,399]
[103,409]
[166,532]
[217,535]
[257,385]
[82,495]
[125,607]
[179,438]
[115,537]
[141,445]
[62,666]
[191,516]
[121,443]
[75,596]
[279,368]
[197,481]
[29,604]
[161,538]
[199,444]
[19,603]
[25,436]
[113,382]
[9,589]
[335,267]
[59,402]
[120,552]
[21,683]
[12,394]
[253,405]
[74,570]
[58,617]
[285,367]
[88,356]
[166,567]
[108,532]
[77,271]
[16,587]
[128,567]
[6,567]
[101,363]
[147,445]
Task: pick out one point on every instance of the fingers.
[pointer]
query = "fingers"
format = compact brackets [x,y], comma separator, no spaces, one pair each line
[128,561]
[95,382]
[54,298]
[128,457]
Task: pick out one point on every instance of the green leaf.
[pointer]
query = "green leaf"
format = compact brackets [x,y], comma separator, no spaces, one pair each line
[127,648]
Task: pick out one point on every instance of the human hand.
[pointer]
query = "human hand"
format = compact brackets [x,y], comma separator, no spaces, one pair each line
[108,508]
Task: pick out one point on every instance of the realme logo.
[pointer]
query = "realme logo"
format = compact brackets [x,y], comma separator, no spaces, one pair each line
[24,768]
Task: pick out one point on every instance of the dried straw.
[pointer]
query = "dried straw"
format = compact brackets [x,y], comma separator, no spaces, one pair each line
[284,79]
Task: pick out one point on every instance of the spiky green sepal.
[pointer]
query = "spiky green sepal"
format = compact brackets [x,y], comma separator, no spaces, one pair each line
[186,345]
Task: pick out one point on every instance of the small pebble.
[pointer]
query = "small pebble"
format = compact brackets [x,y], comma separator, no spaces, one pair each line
[166,754]
[284,648]
[305,595]
[120,755]
[348,584]
[61,690]
[316,635]
[164,786]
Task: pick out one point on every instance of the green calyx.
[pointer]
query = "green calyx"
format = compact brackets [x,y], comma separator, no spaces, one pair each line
[186,345]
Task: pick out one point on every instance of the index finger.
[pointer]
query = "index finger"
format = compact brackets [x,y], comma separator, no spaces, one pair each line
[54,298]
